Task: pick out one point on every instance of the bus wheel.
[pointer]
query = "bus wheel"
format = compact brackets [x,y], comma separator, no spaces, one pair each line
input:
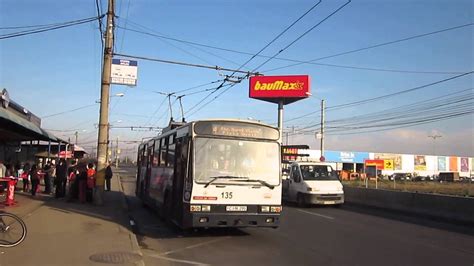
[167,207]
[300,201]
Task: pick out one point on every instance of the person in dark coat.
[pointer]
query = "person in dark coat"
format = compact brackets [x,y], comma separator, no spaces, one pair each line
[47,176]
[82,183]
[61,177]
[108,176]
[35,180]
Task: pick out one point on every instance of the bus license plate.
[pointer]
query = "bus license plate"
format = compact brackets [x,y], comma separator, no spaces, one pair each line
[236,208]
[330,202]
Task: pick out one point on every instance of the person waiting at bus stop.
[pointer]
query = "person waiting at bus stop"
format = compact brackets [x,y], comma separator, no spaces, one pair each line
[35,180]
[90,182]
[82,182]
[61,176]
[108,176]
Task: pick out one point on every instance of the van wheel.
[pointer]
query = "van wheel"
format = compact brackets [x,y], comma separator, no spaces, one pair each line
[300,201]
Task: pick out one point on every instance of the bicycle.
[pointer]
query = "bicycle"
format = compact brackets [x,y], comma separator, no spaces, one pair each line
[12,230]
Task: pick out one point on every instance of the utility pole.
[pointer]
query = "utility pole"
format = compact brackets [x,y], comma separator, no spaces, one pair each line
[104,104]
[76,134]
[117,153]
[434,137]
[322,130]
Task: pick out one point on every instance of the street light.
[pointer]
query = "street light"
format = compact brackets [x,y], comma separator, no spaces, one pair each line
[120,94]
[434,137]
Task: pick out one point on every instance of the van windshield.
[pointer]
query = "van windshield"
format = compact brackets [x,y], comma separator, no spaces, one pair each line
[318,172]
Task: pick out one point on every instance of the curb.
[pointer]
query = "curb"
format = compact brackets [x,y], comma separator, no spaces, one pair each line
[133,237]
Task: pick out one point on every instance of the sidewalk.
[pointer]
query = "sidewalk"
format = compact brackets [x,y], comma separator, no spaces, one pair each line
[63,233]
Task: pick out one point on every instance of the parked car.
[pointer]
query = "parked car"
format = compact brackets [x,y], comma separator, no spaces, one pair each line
[430,178]
[400,177]
[419,178]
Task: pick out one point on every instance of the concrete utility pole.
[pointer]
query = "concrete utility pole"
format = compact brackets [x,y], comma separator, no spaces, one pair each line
[104,104]
[76,135]
[117,151]
[322,129]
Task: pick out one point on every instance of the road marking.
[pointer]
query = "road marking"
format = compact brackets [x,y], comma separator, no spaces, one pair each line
[195,246]
[177,260]
[317,214]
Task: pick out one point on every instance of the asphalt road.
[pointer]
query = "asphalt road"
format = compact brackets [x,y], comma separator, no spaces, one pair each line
[307,236]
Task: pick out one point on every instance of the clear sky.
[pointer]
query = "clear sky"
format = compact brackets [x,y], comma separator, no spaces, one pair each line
[59,70]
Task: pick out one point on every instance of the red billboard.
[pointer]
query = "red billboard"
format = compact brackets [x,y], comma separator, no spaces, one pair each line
[379,164]
[276,88]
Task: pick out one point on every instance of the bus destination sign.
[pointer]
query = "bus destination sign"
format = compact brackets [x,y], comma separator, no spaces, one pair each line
[235,129]
[231,131]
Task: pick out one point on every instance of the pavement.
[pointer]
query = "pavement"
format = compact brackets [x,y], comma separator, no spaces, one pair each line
[71,233]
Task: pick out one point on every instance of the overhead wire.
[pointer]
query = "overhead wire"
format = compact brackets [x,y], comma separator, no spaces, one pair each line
[69,111]
[351,104]
[168,38]
[246,62]
[49,28]
[374,46]
[302,35]
[97,5]
[312,62]
[425,110]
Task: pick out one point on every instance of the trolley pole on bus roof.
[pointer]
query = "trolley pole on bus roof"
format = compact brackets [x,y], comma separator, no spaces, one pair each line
[104,105]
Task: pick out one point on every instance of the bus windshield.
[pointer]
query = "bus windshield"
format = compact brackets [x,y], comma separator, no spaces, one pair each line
[236,160]
[318,172]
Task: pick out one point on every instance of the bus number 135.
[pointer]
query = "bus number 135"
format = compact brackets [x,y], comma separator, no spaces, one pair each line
[226,195]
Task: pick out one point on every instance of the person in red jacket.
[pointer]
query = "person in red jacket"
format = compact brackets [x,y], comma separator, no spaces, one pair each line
[90,181]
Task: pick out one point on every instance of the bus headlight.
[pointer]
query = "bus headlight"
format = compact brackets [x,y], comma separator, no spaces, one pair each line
[206,208]
[265,208]
[195,208]
[275,209]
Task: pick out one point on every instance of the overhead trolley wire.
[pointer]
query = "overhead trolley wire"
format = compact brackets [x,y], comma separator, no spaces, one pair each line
[162,37]
[248,61]
[279,35]
[374,46]
[302,35]
[313,62]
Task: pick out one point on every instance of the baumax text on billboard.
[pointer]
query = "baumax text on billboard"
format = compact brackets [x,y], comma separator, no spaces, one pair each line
[275,88]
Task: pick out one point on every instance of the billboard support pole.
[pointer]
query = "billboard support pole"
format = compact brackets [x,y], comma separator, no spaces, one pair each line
[280,120]
[322,130]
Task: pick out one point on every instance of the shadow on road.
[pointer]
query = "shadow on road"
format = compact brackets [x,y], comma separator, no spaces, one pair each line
[432,222]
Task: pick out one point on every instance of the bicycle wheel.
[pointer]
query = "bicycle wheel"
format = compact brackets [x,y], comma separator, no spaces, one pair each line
[12,230]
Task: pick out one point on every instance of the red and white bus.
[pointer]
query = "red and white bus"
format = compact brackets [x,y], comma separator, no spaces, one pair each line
[213,173]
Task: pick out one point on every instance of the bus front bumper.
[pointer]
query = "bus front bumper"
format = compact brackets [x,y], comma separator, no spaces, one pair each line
[235,220]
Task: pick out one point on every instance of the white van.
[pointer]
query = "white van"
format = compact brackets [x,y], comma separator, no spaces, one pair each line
[312,183]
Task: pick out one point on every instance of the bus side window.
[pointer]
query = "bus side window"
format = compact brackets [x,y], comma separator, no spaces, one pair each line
[171,151]
[156,154]
[164,146]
